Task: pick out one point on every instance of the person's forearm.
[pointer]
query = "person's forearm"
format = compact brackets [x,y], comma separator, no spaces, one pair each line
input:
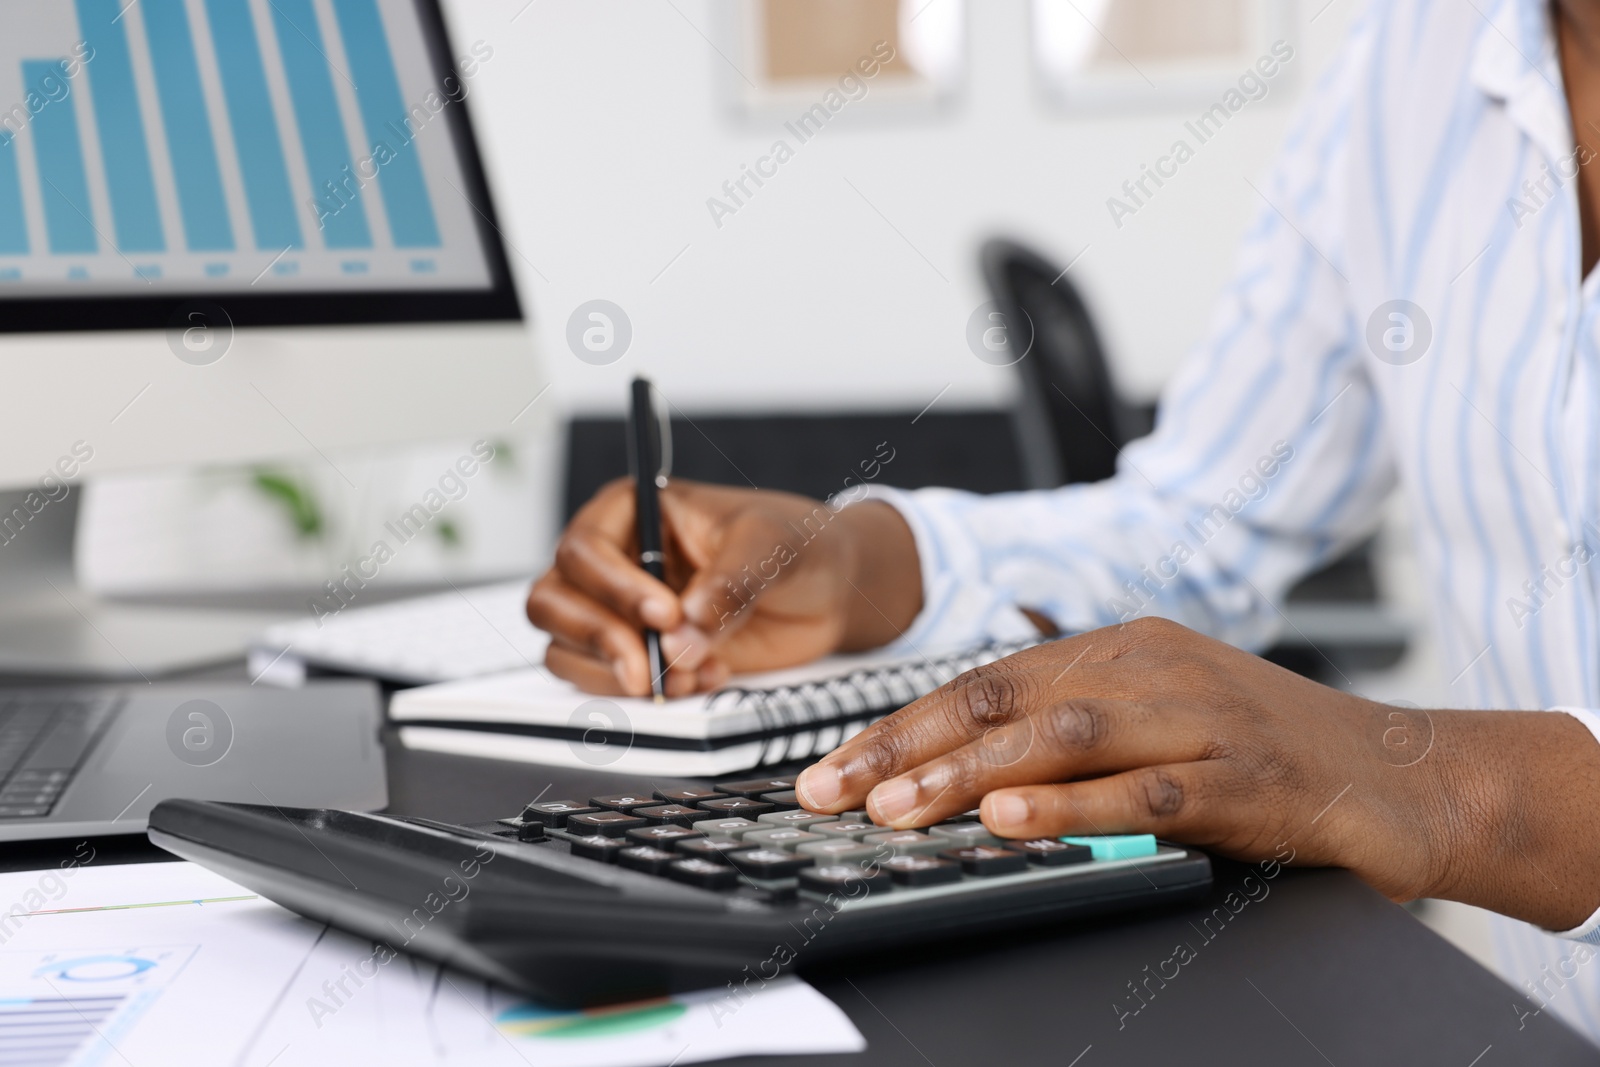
[886,574]
[1508,800]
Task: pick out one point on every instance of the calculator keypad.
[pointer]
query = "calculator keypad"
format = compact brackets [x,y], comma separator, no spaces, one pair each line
[751,839]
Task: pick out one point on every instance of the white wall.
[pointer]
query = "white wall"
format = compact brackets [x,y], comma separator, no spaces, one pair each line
[607,126]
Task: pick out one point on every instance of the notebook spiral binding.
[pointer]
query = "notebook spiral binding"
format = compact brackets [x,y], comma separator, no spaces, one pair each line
[801,722]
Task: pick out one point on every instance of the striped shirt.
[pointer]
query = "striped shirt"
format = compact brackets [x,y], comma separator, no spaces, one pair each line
[1407,312]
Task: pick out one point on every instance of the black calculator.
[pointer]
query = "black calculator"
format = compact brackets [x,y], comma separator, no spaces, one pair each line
[591,900]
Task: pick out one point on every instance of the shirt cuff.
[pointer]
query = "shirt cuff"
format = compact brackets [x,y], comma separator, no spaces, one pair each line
[1589,930]
[960,609]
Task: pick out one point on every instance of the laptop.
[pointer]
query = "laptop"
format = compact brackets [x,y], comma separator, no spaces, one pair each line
[91,761]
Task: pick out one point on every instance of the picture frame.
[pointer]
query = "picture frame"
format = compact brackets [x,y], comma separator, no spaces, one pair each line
[1100,55]
[788,57]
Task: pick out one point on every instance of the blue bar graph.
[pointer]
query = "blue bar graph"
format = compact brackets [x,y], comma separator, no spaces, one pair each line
[13,223]
[383,111]
[334,183]
[226,143]
[134,210]
[63,180]
[255,128]
[201,201]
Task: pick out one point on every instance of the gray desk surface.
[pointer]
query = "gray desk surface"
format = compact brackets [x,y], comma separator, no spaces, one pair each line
[1320,970]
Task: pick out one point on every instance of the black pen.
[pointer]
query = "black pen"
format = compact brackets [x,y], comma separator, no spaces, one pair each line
[650,454]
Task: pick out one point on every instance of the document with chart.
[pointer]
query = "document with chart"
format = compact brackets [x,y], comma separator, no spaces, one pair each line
[169,963]
[216,145]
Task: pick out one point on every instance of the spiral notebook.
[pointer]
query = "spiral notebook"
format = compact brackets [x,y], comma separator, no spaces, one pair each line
[762,719]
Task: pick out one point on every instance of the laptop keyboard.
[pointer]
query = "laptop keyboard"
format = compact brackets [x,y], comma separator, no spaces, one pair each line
[43,740]
[752,838]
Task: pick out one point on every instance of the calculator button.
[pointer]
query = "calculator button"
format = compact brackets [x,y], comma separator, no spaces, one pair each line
[961,834]
[853,831]
[645,858]
[966,816]
[704,873]
[595,847]
[1117,846]
[23,811]
[784,799]
[783,837]
[525,830]
[743,807]
[916,871]
[708,848]
[907,842]
[677,814]
[859,815]
[624,802]
[768,862]
[845,879]
[796,819]
[553,813]
[661,836]
[1048,852]
[715,827]
[687,796]
[779,892]
[986,861]
[756,786]
[609,823]
[841,850]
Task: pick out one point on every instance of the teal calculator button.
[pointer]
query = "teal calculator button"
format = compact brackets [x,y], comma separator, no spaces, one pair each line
[1117,846]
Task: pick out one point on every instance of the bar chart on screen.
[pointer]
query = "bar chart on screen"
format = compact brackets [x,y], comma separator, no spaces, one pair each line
[216,145]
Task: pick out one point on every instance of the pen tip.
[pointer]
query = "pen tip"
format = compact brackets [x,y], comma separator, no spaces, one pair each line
[660,699]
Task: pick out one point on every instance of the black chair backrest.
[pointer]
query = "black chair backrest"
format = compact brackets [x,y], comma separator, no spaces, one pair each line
[1072,424]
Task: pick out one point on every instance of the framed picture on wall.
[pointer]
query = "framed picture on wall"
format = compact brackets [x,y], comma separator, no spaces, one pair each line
[789,56]
[1108,54]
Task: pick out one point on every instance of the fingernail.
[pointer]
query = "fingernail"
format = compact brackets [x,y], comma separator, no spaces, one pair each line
[656,613]
[819,787]
[685,647]
[1009,810]
[893,800]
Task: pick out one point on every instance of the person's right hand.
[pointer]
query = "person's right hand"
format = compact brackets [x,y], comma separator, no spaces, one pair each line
[755,580]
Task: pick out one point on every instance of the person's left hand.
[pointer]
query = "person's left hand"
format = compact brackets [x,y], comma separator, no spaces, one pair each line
[1152,728]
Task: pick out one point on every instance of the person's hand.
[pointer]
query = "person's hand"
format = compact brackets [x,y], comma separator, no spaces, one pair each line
[755,580]
[1152,728]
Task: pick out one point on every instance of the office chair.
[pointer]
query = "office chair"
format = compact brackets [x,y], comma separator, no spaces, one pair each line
[1071,421]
